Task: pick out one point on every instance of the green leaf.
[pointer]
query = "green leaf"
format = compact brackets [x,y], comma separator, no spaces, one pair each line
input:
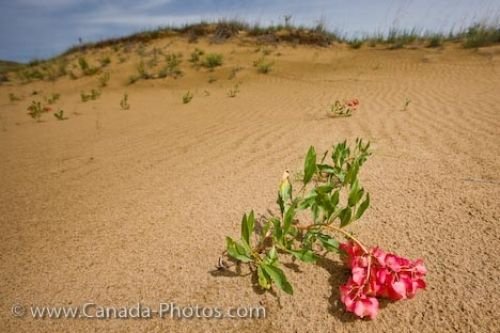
[352,173]
[237,251]
[265,228]
[278,231]
[264,278]
[304,255]
[272,255]
[284,195]
[308,200]
[335,198]
[364,205]
[329,243]
[278,278]
[325,168]
[247,225]
[309,165]
[324,189]
[353,194]
[345,216]
[287,220]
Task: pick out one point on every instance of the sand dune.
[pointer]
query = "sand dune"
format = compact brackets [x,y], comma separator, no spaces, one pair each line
[125,206]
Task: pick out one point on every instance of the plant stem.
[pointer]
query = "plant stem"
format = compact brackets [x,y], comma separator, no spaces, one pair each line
[339,230]
[348,235]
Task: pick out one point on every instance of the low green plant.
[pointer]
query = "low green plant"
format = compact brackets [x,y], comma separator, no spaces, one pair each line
[124,102]
[406,104]
[345,109]
[59,115]
[86,68]
[233,92]
[435,41]
[104,79]
[195,56]
[233,72]
[480,35]
[142,74]
[13,97]
[187,97]
[105,61]
[355,43]
[171,68]
[308,227]
[333,195]
[93,95]
[54,97]
[212,60]
[35,110]
[263,66]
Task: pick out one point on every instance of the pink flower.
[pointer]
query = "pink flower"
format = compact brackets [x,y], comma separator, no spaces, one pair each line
[378,274]
[357,302]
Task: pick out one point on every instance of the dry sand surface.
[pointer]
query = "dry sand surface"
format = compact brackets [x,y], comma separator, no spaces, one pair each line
[119,207]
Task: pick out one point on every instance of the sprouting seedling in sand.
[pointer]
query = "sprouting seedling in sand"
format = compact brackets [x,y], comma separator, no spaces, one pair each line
[331,193]
[187,97]
[233,92]
[93,95]
[13,97]
[104,79]
[53,98]
[35,110]
[407,103]
[124,102]
[59,115]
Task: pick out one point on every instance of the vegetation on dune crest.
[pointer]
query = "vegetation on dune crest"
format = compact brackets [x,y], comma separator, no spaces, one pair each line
[477,35]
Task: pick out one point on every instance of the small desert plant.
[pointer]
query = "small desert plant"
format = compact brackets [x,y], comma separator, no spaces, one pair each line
[266,52]
[59,115]
[435,41]
[105,61]
[13,97]
[211,79]
[233,72]
[212,60]
[263,66]
[355,43]
[35,110]
[406,104]
[104,79]
[53,98]
[187,97]
[124,102]
[195,56]
[86,68]
[171,68]
[233,92]
[93,95]
[84,65]
[481,35]
[142,74]
[339,109]
[332,194]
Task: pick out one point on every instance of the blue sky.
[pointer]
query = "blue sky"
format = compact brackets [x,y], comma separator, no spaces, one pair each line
[42,28]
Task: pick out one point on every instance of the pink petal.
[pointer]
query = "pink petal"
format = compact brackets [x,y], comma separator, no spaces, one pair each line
[359,275]
[397,290]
